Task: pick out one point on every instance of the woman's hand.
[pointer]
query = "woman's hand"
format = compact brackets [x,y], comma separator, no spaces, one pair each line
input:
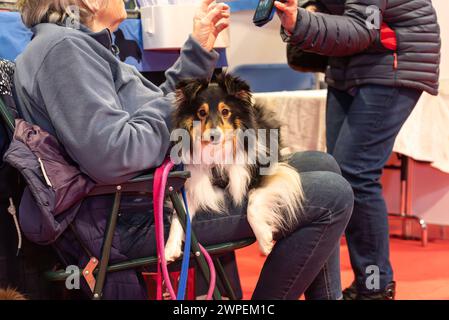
[288,13]
[210,19]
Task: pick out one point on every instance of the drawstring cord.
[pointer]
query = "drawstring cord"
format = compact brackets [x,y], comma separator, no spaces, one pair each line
[12,210]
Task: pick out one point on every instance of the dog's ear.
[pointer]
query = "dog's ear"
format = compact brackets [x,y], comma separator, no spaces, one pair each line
[236,87]
[188,90]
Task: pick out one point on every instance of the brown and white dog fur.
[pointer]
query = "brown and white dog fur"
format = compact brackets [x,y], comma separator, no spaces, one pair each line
[223,109]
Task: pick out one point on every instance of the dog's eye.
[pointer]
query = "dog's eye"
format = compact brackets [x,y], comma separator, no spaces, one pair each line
[202,113]
[225,112]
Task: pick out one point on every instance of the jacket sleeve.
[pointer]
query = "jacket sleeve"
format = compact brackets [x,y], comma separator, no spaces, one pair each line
[306,3]
[77,88]
[335,35]
[194,63]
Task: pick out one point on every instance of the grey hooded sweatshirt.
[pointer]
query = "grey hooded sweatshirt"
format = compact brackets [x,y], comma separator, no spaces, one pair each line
[112,121]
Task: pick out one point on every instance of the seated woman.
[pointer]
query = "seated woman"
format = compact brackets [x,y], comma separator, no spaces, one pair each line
[116,124]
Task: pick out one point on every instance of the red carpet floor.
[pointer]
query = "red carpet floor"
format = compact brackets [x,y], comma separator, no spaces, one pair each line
[421,273]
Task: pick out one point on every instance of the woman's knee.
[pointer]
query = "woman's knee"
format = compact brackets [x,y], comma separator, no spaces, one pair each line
[343,192]
[314,161]
[328,190]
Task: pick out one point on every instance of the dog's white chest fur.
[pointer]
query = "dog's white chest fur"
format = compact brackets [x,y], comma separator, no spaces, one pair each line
[203,194]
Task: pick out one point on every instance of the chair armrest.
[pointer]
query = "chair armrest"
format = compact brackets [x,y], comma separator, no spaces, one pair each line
[142,184]
[150,176]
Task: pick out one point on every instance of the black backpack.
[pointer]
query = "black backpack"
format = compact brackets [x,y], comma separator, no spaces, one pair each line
[20,269]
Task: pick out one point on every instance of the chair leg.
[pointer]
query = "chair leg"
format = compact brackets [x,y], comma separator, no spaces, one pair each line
[107,244]
[179,207]
[221,274]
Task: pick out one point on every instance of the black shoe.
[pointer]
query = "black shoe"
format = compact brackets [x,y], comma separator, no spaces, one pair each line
[388,294]
[350,293]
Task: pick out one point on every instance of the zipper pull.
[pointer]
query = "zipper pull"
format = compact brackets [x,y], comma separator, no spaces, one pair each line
[395,63]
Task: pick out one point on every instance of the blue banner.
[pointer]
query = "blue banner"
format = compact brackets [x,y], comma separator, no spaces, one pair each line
[239,5]
[14,36]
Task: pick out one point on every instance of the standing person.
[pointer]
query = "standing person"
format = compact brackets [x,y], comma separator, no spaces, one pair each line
[382,56]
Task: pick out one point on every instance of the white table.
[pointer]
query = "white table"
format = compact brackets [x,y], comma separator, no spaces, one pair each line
[424,136]
[303,115]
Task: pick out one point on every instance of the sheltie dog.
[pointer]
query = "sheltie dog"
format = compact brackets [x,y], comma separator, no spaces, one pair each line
[234,148]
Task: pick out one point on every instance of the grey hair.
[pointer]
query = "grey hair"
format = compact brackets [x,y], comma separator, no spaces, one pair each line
[55,11]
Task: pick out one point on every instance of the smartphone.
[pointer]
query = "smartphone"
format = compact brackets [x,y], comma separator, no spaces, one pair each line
[264,12]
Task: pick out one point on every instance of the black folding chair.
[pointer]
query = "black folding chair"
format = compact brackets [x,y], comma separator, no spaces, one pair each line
[140,184]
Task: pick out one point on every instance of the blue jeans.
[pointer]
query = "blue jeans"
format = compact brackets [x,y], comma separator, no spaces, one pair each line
[305,260]
[361,131]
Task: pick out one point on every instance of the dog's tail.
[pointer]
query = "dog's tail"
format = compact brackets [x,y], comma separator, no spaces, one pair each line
[279,198]
[11,294]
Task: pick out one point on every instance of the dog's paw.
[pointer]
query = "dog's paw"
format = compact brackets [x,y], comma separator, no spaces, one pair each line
[266,247]
[265,241]
[172,252]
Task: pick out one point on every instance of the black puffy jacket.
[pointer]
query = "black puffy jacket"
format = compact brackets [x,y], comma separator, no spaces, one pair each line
[400,46]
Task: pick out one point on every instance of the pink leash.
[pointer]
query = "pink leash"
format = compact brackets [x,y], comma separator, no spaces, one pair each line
[159,186]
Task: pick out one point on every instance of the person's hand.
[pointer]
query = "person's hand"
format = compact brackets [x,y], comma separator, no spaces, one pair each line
[288,13]
[210,19]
